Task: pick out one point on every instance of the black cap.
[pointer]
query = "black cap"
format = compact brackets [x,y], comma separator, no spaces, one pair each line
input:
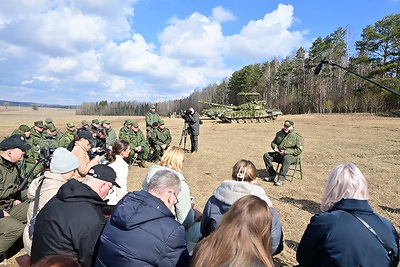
[105,173]
[87,135]
[15,141]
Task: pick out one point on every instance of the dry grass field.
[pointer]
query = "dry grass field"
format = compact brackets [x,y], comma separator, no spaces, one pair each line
[371,142]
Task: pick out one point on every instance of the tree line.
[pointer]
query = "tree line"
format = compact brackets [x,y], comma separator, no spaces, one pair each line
[291,85]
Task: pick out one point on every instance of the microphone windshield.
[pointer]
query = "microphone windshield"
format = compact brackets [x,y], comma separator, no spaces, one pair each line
[318,68]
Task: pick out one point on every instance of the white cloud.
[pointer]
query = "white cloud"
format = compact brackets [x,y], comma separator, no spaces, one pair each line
[221,15]
[268,37]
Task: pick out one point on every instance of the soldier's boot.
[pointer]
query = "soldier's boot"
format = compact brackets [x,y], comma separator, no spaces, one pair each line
[141,162]
[280,180]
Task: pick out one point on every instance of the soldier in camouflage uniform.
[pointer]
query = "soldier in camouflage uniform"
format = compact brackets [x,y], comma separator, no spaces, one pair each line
[85,126]
[33,154]
[287,146]
[50,138]
[12,210]
[24,130]
[151,117]
[160,140]
[126,131]
[139,145]
[47,121]
[68,135]
[111,135]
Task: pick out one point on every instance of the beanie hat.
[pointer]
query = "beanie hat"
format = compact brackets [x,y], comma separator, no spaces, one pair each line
[63,161]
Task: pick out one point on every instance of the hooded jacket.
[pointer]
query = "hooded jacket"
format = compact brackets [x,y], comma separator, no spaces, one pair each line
[224,197]
[69,224]
[337,238]
[142,231]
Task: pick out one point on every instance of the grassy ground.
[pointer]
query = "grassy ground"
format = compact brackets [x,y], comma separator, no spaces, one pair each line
[371,142]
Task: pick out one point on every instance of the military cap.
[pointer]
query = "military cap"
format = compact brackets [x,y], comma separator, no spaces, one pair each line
[155,124]
[153,106]
[70,124]
[51,127]
[128,122]
[106,122]
[85,122]
[15,141]
[38,124]
[49,120]
[95,121]
[24,128]
[161,122]
[135,124]
[288,123]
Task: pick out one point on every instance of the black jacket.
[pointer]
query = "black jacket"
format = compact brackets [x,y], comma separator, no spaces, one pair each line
[69,224]
[194,123]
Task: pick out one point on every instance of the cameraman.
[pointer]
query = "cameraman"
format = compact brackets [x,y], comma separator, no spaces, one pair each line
[193,119]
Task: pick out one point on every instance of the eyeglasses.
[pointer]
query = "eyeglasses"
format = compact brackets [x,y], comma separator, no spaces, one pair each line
[176,197]
[111,189]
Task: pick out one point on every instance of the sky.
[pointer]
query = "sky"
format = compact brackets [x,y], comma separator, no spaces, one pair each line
[72,51]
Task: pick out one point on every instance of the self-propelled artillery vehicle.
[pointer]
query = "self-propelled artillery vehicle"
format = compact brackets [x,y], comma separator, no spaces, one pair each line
[251,111]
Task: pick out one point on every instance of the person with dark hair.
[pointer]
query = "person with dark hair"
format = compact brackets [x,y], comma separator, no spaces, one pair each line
[111,135]
[243,182]
[242,239]
[119,151]
[193,119]
[142,230]
[287,146]
[12,209]
[348,232]
[81,149]
[71,222]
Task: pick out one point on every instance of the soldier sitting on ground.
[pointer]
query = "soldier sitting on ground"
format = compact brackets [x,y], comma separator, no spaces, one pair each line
[160,140]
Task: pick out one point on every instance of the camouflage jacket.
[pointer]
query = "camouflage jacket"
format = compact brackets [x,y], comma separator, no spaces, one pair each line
[160,137]
[125,133]
[67,138]
[111,137]
[9,182]
[292,143]
[34,153]
[150,119]
[137,139]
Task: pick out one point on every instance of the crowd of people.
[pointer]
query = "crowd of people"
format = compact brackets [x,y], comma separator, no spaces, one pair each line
[79,209]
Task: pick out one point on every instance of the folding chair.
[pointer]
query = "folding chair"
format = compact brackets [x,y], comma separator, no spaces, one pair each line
[293,168]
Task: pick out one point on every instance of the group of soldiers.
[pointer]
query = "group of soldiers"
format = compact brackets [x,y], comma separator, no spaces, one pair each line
[44,137]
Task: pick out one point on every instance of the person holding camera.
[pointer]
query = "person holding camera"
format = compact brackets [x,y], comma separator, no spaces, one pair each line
[193,119]
[12,209]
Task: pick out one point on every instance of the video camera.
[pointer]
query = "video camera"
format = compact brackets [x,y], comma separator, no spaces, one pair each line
[185,115]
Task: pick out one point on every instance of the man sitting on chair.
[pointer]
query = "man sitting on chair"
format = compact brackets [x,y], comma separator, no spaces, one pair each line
[287,146]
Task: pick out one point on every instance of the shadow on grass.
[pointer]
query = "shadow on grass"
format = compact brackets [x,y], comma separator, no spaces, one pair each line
[304,204]
[389,209]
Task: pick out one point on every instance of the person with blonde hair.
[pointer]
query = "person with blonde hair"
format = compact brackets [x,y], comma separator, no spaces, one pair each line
[348,232]
[242,239]
[185,214]
[243,182]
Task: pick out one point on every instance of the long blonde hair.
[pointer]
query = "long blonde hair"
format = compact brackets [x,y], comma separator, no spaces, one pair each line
[173,158]
[242,239]
[345,181]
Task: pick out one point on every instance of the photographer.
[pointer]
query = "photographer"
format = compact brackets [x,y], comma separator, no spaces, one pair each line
[193,119]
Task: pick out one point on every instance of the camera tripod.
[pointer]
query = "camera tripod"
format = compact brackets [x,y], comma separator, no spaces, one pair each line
[184,134]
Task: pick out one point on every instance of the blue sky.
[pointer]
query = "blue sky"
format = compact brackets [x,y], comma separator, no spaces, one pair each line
[74,51]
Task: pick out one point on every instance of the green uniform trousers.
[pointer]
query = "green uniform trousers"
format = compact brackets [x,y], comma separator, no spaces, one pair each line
[12,227]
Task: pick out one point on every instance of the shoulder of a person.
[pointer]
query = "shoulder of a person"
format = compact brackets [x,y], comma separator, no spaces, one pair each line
[328,217]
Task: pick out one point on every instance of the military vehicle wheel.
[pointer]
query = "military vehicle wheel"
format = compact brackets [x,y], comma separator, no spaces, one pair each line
[240,120]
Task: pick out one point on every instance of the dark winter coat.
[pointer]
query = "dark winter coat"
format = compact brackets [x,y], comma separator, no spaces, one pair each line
[142,231]
[69,224]
[224,197]
[337,238]
[194,123]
